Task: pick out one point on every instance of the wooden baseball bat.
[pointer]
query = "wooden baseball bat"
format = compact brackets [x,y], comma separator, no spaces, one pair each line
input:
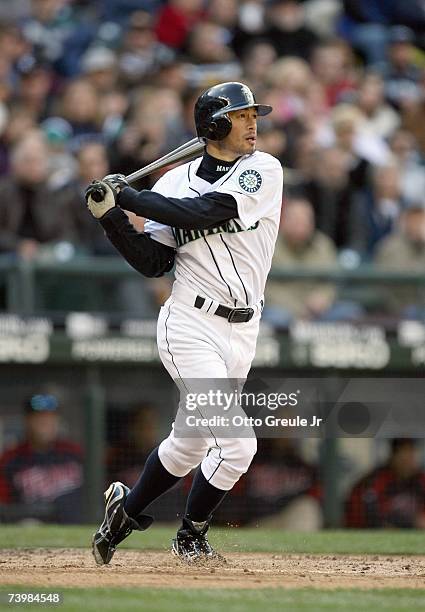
[186,151]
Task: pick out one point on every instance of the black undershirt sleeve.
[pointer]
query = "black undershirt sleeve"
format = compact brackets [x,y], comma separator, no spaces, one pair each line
[201,212]
[147,256]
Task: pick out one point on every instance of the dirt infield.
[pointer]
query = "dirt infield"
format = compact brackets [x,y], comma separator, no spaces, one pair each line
[76,568]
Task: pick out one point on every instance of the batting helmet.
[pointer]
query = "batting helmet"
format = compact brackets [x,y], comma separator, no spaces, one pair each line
[211,108]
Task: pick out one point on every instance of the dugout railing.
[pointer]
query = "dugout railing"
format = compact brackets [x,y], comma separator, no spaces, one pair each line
[18,278]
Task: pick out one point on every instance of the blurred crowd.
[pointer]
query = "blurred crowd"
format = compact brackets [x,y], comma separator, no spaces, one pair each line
[88,88]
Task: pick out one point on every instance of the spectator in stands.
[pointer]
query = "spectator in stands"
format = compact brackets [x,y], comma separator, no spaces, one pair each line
[251,25]
[300,245]
[80,107]
[257,59]
[153,128]
[13,48]
[350,134]
[393,495]
[62,167]
[224,13]
[92,162]
[173,75]
[287,30]
[210,58]
[13,45]
[31,215]
[119,11]
[271,139]
[365,25]
[413,119]
[19,124]
[409,162]
[99,66]
[361,150]
[410,14]
[28,215]
[207,45]
[294,94]
[384,205]
[404,251]
[337,202]
[34,88]
[322,16]
[58,35]
[402,76]
[176,20]
[130,296]
[290,78]
[380,118]
[301,152]
[41,477]
[141,55]
[332,64]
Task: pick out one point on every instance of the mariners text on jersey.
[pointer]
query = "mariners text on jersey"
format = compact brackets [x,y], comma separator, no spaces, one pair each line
[183,236]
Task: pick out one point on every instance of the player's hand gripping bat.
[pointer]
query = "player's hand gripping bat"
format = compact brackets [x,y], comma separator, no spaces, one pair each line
[186,151]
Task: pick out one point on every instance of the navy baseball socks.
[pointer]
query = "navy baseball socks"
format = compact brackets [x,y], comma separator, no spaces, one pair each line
[191,542]
[153,482]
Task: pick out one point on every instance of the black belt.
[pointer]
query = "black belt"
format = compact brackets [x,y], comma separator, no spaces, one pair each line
[233,315]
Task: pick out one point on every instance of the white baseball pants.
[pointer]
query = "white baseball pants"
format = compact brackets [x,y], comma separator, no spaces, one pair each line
[195,344]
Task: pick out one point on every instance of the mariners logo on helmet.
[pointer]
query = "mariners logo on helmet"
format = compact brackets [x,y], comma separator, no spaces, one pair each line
[248,94]
[250,181]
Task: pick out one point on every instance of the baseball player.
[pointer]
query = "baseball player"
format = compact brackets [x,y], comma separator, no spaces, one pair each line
[216,220]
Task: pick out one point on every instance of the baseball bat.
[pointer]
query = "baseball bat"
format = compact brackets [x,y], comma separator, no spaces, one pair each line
[184,152]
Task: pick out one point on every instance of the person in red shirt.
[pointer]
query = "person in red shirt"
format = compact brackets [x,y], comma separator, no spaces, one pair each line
[176,20]
[41,477]
[393,495]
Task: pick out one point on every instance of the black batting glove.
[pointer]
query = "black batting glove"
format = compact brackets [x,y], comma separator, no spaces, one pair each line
[116,181]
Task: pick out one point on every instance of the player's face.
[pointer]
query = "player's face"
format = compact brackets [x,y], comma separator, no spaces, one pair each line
[242,138]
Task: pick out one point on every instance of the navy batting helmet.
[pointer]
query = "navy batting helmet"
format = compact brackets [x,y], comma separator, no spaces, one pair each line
[211,108]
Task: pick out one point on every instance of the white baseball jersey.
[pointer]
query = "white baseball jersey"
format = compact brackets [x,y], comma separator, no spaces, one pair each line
[228,263]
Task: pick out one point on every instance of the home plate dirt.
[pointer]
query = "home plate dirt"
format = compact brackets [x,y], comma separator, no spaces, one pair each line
[76,568]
